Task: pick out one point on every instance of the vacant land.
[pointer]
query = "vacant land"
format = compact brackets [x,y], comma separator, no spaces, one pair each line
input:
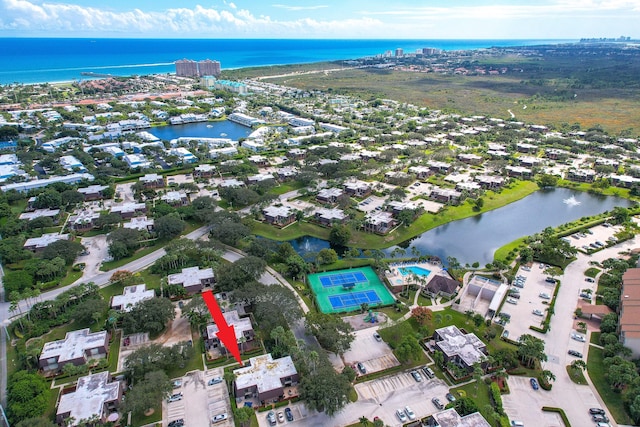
[574,85]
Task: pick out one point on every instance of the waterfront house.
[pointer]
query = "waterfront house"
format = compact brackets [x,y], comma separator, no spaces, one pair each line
[279,215]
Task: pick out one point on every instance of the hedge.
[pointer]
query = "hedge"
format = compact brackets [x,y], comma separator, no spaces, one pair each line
[560,411]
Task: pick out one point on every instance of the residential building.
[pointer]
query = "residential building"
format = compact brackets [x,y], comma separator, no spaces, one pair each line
[93,397]
[439,167]
[22,187]
[581,175]
[175,198]
[357,188]
[204,171]
[245,120]
[83,221]
[152,180]
[131,296]
[519,172]
[39,213]
[260,177]
[192,279]
[441,285]
[92,192]
[209,68]
[184,155]
[329,195]
[525,147]
[129,210]
[422,172]
[451,418]
[463,349]
[490,182]
[445,195]
[255,145]
[472,159]
[629,311]
[397,207]
[286,173]
[186,68]
[279,215]
[379,222]
[242,328]
[77,348]
[37,244]
[328,217]
[136,161]
[625,181]
[141,223]
[265,378]
[224,151]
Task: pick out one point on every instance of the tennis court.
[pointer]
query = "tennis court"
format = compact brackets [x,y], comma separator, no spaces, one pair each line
[346,290]
[343,279]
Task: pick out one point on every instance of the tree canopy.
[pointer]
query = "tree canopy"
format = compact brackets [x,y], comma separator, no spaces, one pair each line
[332,333]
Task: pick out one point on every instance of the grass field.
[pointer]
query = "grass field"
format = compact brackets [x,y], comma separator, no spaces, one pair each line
[615,109]
[613,400]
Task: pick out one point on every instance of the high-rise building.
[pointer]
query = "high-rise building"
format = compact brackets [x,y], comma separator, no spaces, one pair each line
[186,68]
[209,68]
[399,52]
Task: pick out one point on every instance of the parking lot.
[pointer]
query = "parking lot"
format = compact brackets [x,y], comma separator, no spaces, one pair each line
[596,238]
[521,313]
[200,402]
[374,355]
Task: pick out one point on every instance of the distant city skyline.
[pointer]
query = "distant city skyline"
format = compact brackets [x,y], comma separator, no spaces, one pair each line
[371,19]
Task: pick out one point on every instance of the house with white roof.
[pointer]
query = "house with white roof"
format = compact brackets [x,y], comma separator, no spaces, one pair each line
[242,328]
[94,396]
[265,378]
[192,279]
[463,349]
[38,244]
[77,348]
[131,296]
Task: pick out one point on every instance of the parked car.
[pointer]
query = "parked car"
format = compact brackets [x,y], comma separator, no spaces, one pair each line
[599,418]
[450,397]
[216,380]
[550,280]
[176,423]
[401,416]
[596,411]
[416,376]
[603,425]
[437,403]
[590,280]
[288,414]
[177,383]
[428,372]
[512,300]
[537,313]
[578,337]
[271,418]
[544,295]
[361,368]
[410,414]
[280,417]
[534,384]
[377,336]
[218,418]
[514,295]
[575,353]
[175,397]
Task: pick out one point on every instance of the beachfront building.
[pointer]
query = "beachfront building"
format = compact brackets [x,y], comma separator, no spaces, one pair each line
[265,379]
[76,348]
[94,397]
[209,68]
[192,279]
[186,68]
[131,296]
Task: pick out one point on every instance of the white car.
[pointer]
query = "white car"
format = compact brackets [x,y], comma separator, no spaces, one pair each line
[401,416]
[512,300]
[544,295]
[578,337]
[218,418]
[538,313]
[410,413]
[175,397]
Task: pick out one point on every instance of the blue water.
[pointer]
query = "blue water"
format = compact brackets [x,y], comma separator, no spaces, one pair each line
[415,270]
[223,129]
[35,60]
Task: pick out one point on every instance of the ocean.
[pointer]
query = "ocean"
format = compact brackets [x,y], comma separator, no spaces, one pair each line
[38,60]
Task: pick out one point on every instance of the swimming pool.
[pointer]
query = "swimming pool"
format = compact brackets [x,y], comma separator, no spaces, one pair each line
[414,269]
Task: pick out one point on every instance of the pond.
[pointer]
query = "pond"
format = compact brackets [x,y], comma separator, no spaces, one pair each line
[477,238]
[221,129]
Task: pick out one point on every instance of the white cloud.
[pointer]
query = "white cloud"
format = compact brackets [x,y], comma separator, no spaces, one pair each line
[27,16]
[298,8]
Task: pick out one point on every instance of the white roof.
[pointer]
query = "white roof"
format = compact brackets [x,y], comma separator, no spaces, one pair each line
[131,296]
[45,240]
[73,346]
[240,325]
[92,392]
[190,276]
[265,373]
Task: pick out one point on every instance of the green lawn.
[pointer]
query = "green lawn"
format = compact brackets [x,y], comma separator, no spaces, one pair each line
[479,396]
[613,400]
[141,420]
[285,188]
[592,272]
[114,351]
[576,375]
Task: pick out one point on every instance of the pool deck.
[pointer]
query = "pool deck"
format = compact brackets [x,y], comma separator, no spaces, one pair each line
[397,280]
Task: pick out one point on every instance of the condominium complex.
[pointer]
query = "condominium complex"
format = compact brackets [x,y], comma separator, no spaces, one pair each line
[190,68]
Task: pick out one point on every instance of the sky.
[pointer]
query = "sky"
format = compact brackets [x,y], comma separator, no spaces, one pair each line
[361,19]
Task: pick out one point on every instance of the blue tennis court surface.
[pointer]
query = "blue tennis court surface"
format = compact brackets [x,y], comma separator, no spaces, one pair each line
[354,299]
[343,279]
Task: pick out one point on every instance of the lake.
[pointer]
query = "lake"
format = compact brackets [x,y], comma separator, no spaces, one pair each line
[477,238]
[221,129]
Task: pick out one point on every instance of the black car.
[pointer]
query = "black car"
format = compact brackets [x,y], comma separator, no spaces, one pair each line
[288,414]
[575,353]
[361,368]
[176,423]
[596,411]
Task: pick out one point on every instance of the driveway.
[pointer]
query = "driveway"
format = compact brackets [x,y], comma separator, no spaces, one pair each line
[374,355]
[98,250]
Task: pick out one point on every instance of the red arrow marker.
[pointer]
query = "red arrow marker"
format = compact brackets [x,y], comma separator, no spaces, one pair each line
[226,334]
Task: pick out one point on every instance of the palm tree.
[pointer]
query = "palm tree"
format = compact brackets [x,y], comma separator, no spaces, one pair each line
[364,421]
[579,364]
[547,376]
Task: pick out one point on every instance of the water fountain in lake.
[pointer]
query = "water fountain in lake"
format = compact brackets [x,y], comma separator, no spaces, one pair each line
[571,201]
